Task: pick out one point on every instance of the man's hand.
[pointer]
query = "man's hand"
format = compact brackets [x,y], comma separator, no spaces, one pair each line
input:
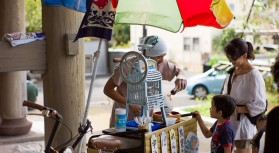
[180,83]
[135,110]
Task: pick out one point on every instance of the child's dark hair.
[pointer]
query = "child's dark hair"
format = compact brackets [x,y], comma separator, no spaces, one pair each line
[224,103]
[237,47]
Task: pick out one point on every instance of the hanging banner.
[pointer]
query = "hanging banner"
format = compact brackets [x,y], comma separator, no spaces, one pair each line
[78,5]
[98,20]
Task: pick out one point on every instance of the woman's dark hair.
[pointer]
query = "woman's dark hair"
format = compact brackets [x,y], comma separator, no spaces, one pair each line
[237,47]
[272,132]
[275,71]
[224,103]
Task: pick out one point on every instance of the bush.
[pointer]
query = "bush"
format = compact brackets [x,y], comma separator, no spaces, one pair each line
[214,59]
[204,107]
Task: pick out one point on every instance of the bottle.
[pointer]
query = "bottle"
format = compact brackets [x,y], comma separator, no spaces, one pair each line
[173,91]
[120,119]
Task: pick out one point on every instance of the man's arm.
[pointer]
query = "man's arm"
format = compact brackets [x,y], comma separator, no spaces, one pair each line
[110,91]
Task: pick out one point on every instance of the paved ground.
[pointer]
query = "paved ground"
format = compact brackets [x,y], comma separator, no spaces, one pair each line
[99,114]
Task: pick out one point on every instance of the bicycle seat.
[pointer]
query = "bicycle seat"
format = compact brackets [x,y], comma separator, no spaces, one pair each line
[112,143]
[105,142]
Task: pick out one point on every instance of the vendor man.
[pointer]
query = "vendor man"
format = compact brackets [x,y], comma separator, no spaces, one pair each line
[116,88]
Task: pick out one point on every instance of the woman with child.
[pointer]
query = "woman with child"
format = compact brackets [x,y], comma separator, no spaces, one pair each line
[247,87]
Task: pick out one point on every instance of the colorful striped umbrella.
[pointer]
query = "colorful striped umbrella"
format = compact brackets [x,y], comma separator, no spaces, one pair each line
[165,14]
[78,5]
[170,14]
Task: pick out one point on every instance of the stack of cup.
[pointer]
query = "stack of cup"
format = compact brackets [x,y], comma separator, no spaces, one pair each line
[120,119]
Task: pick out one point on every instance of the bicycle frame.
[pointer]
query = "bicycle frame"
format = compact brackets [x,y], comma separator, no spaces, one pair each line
[49,112]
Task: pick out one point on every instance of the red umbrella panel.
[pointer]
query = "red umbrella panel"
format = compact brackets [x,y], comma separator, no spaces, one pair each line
[170,15]
[214,13]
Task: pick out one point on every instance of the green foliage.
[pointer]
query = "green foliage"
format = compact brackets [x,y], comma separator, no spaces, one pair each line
[215,58]
[220,41]
[271,92]
[120,36]
[264,15]
[269,84]
[272,97]
[33,15]
[202,108]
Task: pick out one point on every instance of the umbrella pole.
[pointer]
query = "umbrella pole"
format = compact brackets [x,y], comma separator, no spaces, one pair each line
[144,31]
[248,17]
[95,62]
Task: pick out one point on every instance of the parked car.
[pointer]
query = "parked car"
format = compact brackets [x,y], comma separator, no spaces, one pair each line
[212,80]
[208,82]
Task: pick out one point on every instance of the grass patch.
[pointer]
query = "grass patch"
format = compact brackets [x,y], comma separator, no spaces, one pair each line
[202,108]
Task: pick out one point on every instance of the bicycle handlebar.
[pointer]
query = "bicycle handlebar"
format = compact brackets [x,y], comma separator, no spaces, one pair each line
[45,110]
[33,105]
[117,60]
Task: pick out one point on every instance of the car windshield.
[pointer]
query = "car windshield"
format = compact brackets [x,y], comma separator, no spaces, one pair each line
[218,72]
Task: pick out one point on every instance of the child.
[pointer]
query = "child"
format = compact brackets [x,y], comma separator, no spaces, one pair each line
[222,107]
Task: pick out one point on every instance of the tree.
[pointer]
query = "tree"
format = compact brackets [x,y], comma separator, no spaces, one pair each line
[33,15]
[120,35]
[220,41]
[264,15]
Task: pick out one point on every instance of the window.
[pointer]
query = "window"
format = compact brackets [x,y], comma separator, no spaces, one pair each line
[187,44]
[196,44]
[191,44]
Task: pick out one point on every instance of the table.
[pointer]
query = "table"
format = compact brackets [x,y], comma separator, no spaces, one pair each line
[174,138]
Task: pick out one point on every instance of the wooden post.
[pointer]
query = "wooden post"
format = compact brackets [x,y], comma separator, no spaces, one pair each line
[64,78]
[12,84]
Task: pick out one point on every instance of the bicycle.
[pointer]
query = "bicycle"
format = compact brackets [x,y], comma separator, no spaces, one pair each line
[68,146]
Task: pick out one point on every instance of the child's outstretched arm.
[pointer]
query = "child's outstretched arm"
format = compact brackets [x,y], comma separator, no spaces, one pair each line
[206,132]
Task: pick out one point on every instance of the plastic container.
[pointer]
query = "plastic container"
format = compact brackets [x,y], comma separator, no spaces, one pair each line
[132,125]
[120,119]
[170,121]
[157,116]
[168,104]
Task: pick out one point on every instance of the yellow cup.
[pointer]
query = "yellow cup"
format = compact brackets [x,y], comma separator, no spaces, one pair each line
[141,127]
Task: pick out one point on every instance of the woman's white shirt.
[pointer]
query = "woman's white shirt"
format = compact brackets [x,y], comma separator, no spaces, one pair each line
[247,89]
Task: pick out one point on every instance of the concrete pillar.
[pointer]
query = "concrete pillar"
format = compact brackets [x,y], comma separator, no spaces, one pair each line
[64,88]
[12,84]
